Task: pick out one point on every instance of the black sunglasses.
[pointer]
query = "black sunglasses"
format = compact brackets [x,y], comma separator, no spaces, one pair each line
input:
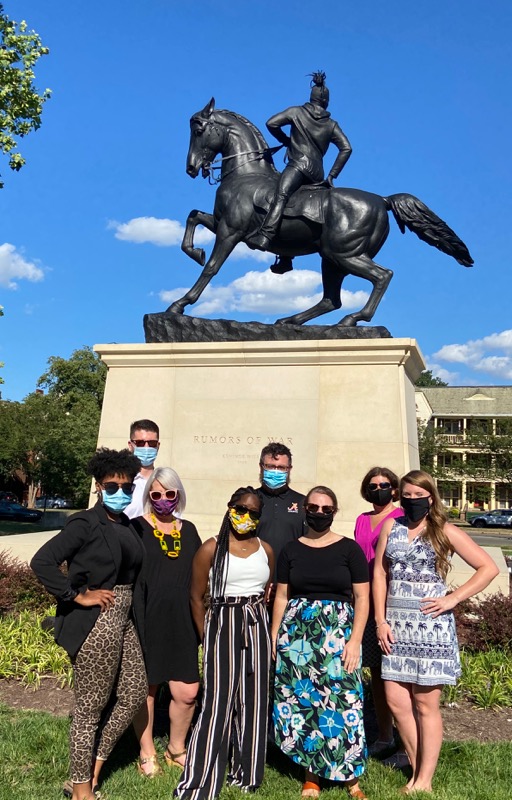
[112,488]
[244,510]
[374,486]
[144,442]
[314,509]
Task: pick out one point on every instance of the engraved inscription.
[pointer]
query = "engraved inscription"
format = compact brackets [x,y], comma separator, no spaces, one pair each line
[226,439]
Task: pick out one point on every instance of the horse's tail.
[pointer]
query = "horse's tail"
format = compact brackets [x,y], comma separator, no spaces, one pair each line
[412,213]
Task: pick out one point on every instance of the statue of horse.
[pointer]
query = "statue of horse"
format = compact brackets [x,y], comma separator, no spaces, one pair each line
[347,227]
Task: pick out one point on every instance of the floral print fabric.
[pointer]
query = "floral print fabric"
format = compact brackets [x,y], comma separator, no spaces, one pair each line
[318,707]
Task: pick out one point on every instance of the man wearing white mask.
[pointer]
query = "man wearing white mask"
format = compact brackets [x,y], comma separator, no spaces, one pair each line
[282,515]
[143,443]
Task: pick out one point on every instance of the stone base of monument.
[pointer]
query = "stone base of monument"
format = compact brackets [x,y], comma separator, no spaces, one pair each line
[168,327]
[340,405]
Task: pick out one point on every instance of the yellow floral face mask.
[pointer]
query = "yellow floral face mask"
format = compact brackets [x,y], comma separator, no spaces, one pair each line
[242,523]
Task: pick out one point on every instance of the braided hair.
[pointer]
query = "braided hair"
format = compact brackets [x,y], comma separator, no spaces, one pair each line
[319,90]
[219,577]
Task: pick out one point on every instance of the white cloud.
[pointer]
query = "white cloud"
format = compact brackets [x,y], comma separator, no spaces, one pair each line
[170,232]
[13,266]
[265,293]
[491,355]
[151,230]
[440,372]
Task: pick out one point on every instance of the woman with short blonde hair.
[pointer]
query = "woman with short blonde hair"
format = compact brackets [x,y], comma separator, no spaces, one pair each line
[171,640]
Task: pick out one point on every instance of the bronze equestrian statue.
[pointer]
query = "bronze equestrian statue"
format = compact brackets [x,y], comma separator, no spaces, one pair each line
[347,227]
[312,130]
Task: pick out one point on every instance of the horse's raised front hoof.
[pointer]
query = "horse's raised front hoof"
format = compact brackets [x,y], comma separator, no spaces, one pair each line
[348,322]
[176,308]
[199,255]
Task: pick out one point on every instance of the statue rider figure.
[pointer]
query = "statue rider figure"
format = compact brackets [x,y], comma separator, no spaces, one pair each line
[311,132]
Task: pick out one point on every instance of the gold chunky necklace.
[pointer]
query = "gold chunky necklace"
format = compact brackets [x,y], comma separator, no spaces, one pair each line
[176,535]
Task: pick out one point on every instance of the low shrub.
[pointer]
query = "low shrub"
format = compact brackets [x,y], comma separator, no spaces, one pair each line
[19,588]
[485,624]
[28,652]
[486,680]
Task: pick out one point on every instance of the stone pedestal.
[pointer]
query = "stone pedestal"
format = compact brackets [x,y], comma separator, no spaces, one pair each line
[342,406]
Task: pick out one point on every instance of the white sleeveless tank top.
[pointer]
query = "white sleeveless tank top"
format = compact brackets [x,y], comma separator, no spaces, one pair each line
[246,576]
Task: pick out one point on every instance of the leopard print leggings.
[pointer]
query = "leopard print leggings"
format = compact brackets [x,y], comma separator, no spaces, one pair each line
[110,657]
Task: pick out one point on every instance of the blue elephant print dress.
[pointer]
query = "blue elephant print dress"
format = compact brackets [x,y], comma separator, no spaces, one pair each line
[318,706]
[425,651]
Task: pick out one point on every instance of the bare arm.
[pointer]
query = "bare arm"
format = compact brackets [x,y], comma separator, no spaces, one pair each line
[380,588]
[200,572]
[352,650]
[271,562]
[278,612]
[476,557]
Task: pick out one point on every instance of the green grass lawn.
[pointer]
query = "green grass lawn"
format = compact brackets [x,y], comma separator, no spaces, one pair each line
[33,764]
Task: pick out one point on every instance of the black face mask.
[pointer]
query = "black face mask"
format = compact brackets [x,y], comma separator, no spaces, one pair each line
[379,497]
[415,507]
[319,522]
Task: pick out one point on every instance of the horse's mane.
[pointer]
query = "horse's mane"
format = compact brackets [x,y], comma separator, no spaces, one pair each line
[262,142]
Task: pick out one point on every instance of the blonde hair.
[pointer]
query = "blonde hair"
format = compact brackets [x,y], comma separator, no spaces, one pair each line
[169,480]
[436,519]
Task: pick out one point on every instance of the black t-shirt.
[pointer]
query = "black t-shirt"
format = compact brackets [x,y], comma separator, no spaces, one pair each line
[130,552]
[322,573]
[282,517]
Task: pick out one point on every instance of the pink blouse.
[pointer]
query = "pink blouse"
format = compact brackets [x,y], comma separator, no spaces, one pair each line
[367,537]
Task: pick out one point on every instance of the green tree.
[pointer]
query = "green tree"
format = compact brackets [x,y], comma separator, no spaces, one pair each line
[81,375]
[1,362]
[21,105]
[51,437]
[428,379]
[75,389]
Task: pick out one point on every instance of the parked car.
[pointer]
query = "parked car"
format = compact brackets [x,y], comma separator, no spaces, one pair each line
[53,502]
[499,518]
[18,513]
[9,496]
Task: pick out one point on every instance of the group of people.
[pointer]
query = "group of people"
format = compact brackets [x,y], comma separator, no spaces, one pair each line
[277,585]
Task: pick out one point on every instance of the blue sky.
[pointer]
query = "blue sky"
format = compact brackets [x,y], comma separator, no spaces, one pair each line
[91,226]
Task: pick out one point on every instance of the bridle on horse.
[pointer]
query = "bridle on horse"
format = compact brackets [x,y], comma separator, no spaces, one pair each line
[208,167]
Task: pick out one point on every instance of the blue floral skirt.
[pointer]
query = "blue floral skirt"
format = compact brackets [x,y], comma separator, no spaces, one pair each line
[318,707]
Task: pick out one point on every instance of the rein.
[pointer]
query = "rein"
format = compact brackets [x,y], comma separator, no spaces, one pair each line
[217,164]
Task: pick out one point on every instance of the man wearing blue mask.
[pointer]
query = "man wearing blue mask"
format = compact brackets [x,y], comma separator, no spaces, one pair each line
[282,515]
[143,443]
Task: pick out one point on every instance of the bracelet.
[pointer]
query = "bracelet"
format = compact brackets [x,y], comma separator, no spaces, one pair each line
[377,626]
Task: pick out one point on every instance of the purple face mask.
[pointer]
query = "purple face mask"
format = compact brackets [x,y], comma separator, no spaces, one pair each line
[165,507]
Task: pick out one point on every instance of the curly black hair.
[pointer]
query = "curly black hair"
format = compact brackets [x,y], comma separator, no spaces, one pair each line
[106,463]
[274,450]
[222,549]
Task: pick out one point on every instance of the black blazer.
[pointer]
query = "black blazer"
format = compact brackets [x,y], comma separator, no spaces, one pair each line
[94,560]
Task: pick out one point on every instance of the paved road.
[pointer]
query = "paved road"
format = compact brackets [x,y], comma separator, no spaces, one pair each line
[493,539]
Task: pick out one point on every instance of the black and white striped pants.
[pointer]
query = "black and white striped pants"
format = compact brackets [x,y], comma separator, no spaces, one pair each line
[232,725]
